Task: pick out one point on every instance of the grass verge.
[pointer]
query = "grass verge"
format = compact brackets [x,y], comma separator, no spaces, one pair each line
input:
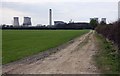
[107,59]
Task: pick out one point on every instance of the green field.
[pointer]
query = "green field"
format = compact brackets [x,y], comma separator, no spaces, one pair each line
[18,44]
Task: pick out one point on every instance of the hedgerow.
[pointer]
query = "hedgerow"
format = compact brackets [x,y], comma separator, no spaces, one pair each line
[111,32]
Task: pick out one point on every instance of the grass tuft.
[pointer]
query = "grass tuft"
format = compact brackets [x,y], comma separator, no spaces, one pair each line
[107,58]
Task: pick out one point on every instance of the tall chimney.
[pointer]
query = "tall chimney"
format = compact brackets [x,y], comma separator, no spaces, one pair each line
[50,17]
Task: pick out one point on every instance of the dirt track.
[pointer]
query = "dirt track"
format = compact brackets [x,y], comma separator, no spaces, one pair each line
[75,58]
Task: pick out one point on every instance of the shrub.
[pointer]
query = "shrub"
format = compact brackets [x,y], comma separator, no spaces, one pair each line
[111,32]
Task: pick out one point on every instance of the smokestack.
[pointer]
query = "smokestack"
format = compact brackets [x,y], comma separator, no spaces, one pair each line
[16,21]
[50,17]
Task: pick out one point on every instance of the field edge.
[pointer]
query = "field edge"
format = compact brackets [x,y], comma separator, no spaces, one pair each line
[106,58]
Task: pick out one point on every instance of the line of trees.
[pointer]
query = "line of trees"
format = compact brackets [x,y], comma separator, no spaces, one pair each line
[58,26]
[111,32]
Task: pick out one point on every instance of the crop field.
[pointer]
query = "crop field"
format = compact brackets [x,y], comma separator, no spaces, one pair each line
[17,44]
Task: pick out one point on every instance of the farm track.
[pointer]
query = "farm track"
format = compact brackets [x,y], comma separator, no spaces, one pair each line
[74,58]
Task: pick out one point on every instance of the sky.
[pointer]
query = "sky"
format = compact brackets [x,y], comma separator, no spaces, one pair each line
[63,10]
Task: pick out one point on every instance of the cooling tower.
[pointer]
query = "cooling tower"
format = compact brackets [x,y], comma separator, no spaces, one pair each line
[27,21]
[16,21]
[103,20]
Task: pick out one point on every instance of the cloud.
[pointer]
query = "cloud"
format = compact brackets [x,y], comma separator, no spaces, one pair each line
[44,1]
[8,14]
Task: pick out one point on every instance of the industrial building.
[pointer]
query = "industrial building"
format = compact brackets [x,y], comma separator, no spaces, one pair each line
[103,20]
[27,22]
[79,25]
[16,21]
[58,23]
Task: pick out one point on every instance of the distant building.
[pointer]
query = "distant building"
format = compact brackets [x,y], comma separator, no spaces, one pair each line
[119,10]
[27,21]
[80,25]
[94,19]
[15,21]
[58,22]
[103,20]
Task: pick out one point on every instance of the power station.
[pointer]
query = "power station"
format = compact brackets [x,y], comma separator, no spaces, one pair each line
[16,21]
[27,21]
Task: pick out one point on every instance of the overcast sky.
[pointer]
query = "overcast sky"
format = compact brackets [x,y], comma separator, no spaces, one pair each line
[63,10]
